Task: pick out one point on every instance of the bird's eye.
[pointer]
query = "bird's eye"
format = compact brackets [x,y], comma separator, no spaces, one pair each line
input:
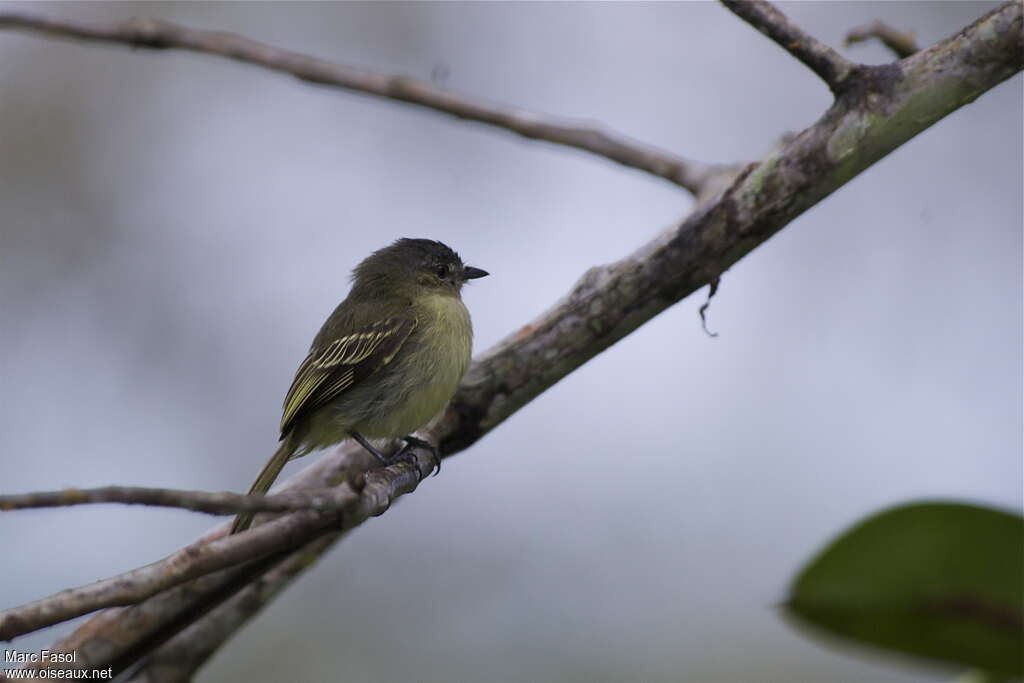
[442,272]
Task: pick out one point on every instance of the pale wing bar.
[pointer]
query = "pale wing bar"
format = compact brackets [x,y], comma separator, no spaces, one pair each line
[331,370]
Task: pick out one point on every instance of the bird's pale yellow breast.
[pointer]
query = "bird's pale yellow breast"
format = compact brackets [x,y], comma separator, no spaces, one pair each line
[449,347]
[439,353]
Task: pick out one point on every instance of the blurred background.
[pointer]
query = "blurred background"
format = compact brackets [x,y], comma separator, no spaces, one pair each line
[174,228]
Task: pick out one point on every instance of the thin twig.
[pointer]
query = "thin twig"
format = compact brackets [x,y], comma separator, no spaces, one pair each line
[141,628]
[830,66]
[157,34]
[902,43]
[195,559]
[199,558]
[379,488]
[214,503]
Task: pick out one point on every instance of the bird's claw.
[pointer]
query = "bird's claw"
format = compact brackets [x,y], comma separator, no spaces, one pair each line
[412,442]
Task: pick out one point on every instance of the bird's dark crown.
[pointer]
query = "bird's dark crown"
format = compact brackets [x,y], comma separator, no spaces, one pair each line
[414,262]
[406,256]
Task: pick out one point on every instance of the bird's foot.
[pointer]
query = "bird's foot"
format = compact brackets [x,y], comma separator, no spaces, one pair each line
[412,442]
[404,454]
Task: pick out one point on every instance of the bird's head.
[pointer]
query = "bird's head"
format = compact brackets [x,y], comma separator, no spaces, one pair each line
[413,265]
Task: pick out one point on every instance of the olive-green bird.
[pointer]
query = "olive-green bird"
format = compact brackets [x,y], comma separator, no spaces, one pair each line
[385,363]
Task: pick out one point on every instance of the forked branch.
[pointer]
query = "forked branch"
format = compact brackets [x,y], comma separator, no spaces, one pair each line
[830,66]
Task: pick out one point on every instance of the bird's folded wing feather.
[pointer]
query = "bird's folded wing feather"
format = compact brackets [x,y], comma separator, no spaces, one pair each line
[332,368]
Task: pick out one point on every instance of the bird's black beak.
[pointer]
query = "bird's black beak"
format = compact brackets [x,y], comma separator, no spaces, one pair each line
[471,273]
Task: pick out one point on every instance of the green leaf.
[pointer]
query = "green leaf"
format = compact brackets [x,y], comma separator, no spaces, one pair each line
[943,581]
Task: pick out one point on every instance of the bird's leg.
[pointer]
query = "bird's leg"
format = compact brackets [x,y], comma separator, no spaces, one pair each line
[383,459]
[404,453]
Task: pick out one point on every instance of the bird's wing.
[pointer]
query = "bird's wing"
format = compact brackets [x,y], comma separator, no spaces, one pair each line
[331,369]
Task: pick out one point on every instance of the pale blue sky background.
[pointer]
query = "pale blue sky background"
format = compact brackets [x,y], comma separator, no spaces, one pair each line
[174,228]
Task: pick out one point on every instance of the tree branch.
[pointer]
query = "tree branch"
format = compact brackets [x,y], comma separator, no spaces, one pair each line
[194,560]
[124,636]
[205,556]
[155,34]
[902,43]
[214,503]
[830,66]
[885,107]
[121,636]
[181,656]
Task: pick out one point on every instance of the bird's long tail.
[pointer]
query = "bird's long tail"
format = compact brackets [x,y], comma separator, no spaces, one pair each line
[264,481]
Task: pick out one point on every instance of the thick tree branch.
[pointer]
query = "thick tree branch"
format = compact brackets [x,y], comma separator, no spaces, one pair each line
[156,34]
[180,657]
[214,503]
[902,43]
[205,556]
[830,66]
[887,106]
[879,110]
[125,636]
[194,560]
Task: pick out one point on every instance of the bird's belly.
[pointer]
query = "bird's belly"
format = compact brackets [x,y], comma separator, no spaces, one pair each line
[421,404]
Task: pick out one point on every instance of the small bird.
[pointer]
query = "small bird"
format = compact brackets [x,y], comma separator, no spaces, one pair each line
[386,361]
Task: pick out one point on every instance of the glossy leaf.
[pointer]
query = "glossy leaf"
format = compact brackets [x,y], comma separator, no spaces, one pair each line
[943,581]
